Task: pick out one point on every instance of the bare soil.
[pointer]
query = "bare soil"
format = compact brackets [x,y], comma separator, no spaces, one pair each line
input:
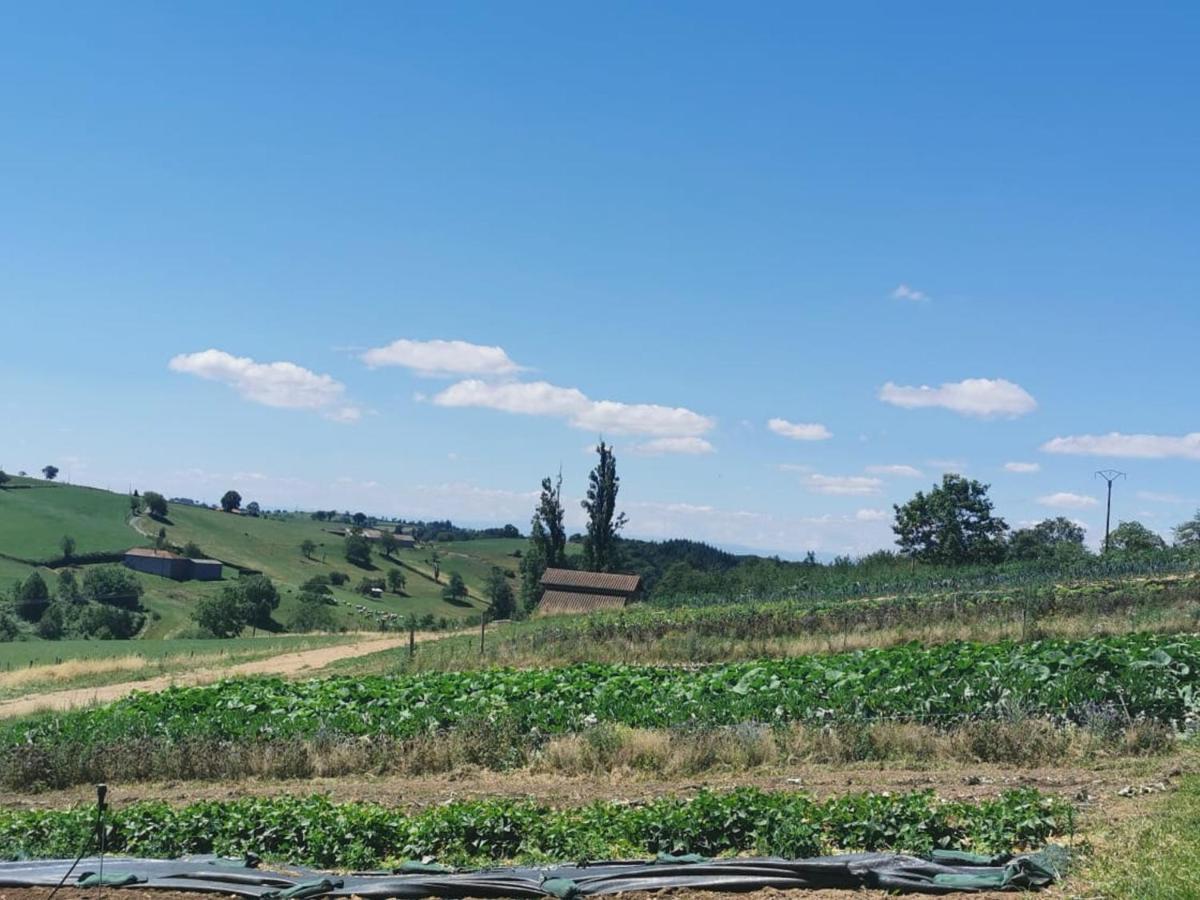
[284,664]
[1117,786]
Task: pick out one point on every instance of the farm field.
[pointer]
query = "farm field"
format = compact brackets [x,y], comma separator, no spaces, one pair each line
[34,667]
[35,515]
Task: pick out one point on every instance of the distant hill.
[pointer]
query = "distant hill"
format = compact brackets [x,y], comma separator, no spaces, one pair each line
[35,516]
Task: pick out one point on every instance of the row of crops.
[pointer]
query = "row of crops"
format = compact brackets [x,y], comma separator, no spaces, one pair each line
[316,831]
[791,582]
[1139,676]
[798,616]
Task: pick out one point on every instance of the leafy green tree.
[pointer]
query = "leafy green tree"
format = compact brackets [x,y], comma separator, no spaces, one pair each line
[253,509]
[260,598]
[66,588]
[1134,537]
[1049,538]
[312,614]
[500,595]
[550,512]
[600,544]
[192,550]
[67,545]
[367,585]
[9,629]
[160,540]
[222,615]
[51,472]
[358,551]
[396,581]
[338,578]
[455,590]
[5,478]
[388,543]
[1187,534]
[230,501]
[135,504]
[53,623]
[156,504]
[435,560]
[115,585]
[951,525]
[308,547]
[533,565]
[360,519]
[32,597]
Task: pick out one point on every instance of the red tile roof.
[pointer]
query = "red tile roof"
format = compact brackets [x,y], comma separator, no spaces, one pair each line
[558,603]
[150,551]
[610,582]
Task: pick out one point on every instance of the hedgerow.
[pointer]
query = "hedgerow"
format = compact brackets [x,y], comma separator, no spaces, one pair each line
[316,831]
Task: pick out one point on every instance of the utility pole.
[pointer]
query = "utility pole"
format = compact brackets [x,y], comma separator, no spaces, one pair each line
[1109,476]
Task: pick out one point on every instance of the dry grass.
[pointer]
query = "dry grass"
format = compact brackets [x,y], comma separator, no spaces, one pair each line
[70,670]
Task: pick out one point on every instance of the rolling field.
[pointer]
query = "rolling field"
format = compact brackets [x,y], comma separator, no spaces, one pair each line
[35,515]
[33,520]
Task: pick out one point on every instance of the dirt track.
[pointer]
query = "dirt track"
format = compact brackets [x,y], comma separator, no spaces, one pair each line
[284,664]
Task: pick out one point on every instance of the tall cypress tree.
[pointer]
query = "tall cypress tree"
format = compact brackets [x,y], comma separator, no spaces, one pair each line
[550,510]
[600,543]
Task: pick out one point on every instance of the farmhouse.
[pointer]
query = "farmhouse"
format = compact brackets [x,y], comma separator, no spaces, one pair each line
[172,565]
[567,591]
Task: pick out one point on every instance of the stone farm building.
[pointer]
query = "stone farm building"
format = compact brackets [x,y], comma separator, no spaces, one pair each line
[172,565]
[567,591]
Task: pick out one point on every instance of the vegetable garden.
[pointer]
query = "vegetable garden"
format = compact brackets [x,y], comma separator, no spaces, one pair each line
[317,831]
[1139,676]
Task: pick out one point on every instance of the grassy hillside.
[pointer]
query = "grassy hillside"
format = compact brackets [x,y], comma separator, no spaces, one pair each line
[35,515]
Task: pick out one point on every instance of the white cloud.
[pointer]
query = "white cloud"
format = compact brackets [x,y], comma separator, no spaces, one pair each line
[688,445]
[899,471]
[794,467]
[1067,500]
[904,292]
[1022,468]
[283,385]
[983,397]
[1139,446]
[798,431]
[1155,497]
[871,515]
[442,358]
[538,398]
[842,484]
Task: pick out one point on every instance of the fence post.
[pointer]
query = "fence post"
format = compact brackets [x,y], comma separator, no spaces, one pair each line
[482,630]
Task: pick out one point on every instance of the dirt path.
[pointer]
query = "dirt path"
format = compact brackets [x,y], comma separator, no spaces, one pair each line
[283,664]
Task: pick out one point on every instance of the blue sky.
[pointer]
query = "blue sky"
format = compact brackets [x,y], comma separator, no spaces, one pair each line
[670,224]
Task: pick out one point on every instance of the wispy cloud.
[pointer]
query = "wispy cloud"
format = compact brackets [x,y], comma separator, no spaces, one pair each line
[871,515]
[438,358]
[283,385]
[900,471]
[691,446]
[539,398]
[1022,468]
[1156,497]
[904,292]
[982,397]
[1136,446]
[842,484]
[799,431]
[1067,500]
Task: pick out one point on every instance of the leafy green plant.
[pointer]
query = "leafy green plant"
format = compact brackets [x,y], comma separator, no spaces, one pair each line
[314,830]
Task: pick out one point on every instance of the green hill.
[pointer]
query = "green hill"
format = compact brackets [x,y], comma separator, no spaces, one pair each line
[35,515]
